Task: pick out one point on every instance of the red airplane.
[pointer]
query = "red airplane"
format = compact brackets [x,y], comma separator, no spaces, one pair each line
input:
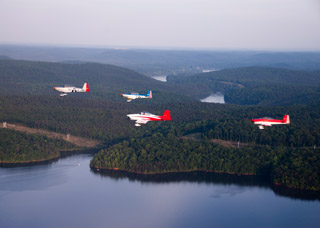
[268,122]
[145,117]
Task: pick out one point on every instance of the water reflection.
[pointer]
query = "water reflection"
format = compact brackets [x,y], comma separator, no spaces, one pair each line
[296,194]
[36,196]
[210,178]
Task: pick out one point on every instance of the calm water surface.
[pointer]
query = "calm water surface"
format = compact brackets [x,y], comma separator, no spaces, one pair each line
[64,194]
[162,78]
[214,98]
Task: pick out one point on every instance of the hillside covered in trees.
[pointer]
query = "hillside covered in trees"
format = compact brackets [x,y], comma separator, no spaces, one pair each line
[290,167]
[286,154]
[162,62]
[105,81]
[17,147]
[256,85]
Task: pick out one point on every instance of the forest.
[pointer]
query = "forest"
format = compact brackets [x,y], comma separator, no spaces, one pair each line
[256,85]
[288,155]
[286,166]
[17,147]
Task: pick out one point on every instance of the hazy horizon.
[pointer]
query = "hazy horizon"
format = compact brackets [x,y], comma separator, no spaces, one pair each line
[156,48]
[265,25]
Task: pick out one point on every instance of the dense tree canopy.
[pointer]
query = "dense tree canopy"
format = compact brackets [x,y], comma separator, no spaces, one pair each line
[285,153]
[17,147]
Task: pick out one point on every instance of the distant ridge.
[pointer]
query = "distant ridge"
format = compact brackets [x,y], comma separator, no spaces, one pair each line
[4,57]
[21,77]
[159,62]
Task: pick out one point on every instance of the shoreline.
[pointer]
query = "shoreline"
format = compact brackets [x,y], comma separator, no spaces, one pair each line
[62,154]
[28,162]
[274,184]
[165,172]
[5,164]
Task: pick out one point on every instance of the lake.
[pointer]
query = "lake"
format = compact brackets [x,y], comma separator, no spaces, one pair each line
[66,193]
[162,78]
[214,98]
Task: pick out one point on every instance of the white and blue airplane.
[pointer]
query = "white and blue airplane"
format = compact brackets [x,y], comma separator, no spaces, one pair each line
[132,96]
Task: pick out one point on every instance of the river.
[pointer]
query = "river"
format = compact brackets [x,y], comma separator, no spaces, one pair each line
[66,193]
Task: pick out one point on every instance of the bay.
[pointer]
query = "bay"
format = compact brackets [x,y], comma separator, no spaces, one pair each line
[66,193]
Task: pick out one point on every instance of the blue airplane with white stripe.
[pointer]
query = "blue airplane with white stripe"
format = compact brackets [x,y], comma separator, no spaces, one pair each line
[132,96]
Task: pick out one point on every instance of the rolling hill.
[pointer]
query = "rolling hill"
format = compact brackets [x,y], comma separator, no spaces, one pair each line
[256,85]
[159,62]
[105,81]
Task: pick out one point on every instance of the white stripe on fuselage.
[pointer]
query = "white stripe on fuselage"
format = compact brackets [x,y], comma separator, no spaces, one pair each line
[69,89]
[134,96]
[265,123]
[147,116]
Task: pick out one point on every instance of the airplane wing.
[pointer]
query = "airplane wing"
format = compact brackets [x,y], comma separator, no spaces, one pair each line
[267,125]
[142,121]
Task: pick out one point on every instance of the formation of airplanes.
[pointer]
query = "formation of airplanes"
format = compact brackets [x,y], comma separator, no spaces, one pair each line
[71,89]
[132,96]
[145,117]
[268,122]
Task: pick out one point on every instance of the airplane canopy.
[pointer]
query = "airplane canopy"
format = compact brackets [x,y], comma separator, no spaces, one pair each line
[146,113]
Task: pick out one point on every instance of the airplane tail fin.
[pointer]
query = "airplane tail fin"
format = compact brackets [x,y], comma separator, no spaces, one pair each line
[86,87]
[149,94]
[166,115]
[286,119]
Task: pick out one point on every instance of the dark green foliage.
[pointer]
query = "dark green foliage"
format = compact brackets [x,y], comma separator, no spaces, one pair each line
[273,94]
[303,131]
[297,168]
[105,81]
[17,147]
[271,152]
[160,153]
[290,167]
[157,147]
[284,153]
[256,86]
[92,118]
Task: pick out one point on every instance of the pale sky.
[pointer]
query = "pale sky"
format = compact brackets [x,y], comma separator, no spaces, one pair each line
[214,24]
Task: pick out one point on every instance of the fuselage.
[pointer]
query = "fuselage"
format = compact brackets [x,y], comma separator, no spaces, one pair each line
[145,116]
[68,89]
[268,122]
[263,121]
[72,89]
[132,96]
